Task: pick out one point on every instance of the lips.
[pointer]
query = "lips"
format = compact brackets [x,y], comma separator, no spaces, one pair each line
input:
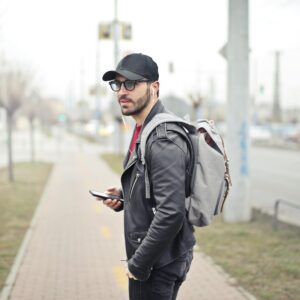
[124,100]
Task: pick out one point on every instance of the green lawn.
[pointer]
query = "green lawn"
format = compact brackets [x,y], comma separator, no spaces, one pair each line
[265,262]
[18,201]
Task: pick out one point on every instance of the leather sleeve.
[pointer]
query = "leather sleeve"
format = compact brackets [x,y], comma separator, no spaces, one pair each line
[167,163]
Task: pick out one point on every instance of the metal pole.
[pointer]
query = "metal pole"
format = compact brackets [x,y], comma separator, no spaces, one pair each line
[9,124]
[238,207]
[116,44]
[82,98]
[97,83]
[276,103]
[275,217]
[116,34]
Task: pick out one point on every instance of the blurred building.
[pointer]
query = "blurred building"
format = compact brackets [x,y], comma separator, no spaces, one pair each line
[263,113]
[177,105]
[183,107]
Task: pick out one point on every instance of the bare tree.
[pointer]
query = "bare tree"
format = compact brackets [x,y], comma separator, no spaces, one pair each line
[48,111]
[14,83]
[31,110]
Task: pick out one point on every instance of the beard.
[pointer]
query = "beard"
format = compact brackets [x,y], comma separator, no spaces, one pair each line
[137,106]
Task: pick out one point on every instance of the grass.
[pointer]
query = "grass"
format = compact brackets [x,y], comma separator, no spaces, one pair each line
[18,201]
[115,161]
[264,261]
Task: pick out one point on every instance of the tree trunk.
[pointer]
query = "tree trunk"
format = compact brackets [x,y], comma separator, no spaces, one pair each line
[9,123]
[32,144]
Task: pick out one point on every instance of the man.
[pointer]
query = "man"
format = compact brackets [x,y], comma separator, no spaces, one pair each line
[159,239]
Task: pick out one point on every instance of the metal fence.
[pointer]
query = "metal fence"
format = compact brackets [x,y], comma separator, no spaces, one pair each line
[278,203]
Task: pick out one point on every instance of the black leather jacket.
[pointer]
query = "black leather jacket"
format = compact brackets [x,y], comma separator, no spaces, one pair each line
[156,230]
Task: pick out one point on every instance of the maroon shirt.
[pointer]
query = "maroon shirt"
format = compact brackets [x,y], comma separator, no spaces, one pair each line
[136,133]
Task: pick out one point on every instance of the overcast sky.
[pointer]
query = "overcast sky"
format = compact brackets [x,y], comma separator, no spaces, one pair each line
[57,38]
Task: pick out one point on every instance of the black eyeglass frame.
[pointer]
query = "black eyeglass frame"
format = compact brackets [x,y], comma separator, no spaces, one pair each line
[124,83]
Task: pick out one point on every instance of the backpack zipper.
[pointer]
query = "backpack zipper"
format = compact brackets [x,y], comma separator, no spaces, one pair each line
[133,185]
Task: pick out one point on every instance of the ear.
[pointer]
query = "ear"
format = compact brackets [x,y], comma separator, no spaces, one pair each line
[155,88]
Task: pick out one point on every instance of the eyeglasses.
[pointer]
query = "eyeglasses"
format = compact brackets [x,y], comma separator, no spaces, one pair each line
[129,85]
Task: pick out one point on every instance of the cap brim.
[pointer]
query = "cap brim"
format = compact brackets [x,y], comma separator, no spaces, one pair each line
[110,75]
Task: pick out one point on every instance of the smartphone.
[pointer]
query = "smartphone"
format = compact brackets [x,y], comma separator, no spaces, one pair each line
[104,196]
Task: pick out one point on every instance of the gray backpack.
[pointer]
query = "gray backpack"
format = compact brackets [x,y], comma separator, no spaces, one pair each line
[210,179]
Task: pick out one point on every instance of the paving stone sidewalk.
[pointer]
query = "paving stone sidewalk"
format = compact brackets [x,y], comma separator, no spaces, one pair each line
[74,247]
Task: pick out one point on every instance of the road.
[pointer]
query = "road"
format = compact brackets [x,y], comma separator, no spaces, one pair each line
[275,175]
[274,172]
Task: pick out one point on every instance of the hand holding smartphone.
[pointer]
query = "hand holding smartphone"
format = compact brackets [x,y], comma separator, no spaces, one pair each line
[104,196]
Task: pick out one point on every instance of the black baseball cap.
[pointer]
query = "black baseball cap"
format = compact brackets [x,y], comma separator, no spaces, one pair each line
[135,66]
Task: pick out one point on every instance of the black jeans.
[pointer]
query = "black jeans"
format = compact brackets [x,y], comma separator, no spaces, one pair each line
[163,283]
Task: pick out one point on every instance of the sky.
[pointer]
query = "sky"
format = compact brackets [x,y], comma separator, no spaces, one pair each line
[57,40]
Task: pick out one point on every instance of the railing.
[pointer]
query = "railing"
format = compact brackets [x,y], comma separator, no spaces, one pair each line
[276,210]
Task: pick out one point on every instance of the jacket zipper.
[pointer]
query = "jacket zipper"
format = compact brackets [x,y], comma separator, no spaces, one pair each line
[133,185]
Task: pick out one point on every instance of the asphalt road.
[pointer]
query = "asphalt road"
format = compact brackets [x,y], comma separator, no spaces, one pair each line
[275,174]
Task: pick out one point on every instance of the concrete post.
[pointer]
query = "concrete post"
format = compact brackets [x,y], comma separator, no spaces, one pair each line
[97,83]
[116,34]
[237,207]
[276,101]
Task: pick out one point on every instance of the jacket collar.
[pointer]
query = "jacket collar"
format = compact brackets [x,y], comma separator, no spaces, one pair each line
[156,109]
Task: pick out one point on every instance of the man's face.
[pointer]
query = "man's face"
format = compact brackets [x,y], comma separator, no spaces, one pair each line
[133,102]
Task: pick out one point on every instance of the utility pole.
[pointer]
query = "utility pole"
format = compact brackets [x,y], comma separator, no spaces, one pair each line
[237,207]
[116,34]
[276,99]
[116,60]
[82,98]
[97,83]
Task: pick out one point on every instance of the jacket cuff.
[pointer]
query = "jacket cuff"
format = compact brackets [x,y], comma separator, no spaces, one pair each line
[122,206]
[138,273]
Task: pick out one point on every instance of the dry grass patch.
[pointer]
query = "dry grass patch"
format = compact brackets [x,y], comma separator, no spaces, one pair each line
[264,261]
[18,201]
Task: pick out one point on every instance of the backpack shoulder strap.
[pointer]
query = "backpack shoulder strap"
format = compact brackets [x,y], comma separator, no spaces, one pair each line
[154,122]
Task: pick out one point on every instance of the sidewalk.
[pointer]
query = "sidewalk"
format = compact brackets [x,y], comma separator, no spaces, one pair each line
[75,245]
